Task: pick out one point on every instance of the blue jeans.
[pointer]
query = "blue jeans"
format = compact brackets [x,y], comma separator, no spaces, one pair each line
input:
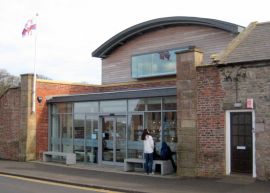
[148,162]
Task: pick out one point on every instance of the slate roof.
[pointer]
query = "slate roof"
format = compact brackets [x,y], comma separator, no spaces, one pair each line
[253,44]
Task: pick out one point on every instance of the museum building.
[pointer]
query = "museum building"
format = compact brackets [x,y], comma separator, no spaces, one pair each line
[200,85]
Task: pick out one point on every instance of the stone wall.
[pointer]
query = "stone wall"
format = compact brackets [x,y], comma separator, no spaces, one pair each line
[201,121]
[255,84]
[187,129]
[10,124]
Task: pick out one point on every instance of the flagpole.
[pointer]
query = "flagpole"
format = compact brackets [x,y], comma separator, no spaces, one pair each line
[35,74]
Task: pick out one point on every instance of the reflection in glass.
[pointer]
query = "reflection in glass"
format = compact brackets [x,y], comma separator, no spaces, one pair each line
[120,139]
[169,103]
[62,108]
[55,134]
[155,64]
[169,127]
[114,139]
[135,129]
[92,138]
[107,138]
[86,107]
[144,65]
[136,105]
[153,104]
[113,106]
[152,122]
[169,134]
[79,137]
[66,124]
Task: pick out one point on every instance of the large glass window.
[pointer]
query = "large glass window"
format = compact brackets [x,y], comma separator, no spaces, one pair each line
[169,127]
[136,105]
[79,133]
[86,107]
[135,129]
[62,108]
[169,103]
[55,133]
[152,121]
[169,134]
[153,104]
[75,127]
[66,124]
[154,64]
[92,138]
[113,106]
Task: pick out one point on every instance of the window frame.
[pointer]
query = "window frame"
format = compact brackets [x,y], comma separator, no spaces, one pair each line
[153,74]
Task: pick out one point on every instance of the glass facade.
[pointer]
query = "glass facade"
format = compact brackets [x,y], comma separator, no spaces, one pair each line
[154,64]
[110,131]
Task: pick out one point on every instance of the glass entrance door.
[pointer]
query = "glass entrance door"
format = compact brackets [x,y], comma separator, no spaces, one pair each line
[114,139]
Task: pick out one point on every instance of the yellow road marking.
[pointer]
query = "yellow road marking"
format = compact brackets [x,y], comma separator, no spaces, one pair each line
[59,184]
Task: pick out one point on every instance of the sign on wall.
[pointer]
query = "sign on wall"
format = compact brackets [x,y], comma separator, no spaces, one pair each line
[250,103]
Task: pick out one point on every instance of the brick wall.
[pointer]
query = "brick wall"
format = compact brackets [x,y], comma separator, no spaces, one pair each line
[50,88]
[10,124]
[211,132]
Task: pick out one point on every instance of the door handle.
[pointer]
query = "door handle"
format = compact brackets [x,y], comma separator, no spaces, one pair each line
[241,147]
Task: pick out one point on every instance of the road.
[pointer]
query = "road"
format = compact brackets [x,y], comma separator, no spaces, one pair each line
[13,184]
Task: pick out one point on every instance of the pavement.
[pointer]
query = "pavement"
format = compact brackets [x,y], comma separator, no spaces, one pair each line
[115,179]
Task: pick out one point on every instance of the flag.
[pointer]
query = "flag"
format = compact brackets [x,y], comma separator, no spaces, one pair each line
[28,28]
[164,55]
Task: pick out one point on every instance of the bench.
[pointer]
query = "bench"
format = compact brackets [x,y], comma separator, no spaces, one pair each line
[70,157]
[165,165]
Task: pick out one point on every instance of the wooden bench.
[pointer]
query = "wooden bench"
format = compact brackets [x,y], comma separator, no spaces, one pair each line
[165,165]
[69,157]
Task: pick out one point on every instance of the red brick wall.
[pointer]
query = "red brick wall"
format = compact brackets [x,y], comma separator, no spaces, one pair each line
[10,124]
[211,123]
[45,89]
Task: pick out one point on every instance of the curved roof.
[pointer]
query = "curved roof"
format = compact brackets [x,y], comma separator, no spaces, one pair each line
[119,39]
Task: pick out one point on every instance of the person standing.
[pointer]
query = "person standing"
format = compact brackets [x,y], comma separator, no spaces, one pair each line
[148,149]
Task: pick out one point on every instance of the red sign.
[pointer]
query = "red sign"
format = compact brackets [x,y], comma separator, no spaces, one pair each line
[250,103]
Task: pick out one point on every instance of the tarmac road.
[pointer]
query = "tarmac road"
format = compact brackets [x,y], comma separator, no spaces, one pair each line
[13,184]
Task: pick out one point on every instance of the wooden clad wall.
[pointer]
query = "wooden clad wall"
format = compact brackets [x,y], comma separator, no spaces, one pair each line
[116,68]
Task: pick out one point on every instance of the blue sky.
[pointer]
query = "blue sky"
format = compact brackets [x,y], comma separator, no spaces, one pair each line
[69,30]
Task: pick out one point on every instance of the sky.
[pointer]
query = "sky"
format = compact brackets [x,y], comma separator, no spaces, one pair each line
[68,31]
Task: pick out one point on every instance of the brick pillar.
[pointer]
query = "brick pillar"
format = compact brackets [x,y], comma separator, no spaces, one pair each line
[186,84]
[27,139]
